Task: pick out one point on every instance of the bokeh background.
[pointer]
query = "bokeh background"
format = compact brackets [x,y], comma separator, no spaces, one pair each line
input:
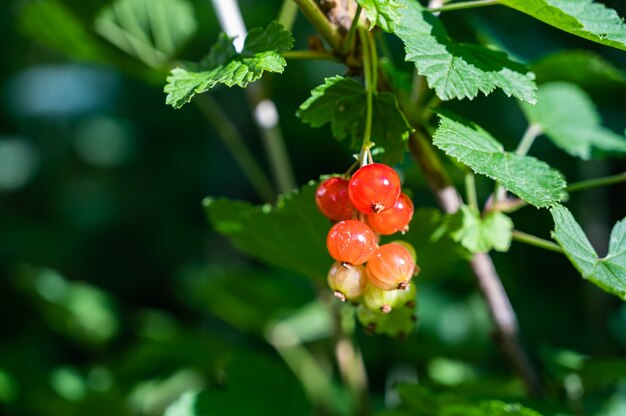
[116,296]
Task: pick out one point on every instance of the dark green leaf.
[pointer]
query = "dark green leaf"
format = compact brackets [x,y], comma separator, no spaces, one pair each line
[608,273]
[481,234]
[261,52]
[247,299]
[569,118]
[531,179]
[54,25]
[291,235]
[584,18]
[342,103]
[151,31]
[382,13]
[581,67]
[426,403]
[255,385]
[456,70]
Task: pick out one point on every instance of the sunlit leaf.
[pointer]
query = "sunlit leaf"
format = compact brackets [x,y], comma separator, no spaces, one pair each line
[609,272]
[584,18]
[458,70]
[342,102]
[262,51]
[529,178]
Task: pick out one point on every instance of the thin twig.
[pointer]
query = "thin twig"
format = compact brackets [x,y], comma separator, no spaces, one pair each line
[233,140]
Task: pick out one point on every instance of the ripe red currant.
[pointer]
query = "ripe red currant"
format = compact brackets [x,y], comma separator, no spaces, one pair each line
[332,199]
[348,283]
[410,249]
[351,242]
[392,220]
[391,267]
[374,188]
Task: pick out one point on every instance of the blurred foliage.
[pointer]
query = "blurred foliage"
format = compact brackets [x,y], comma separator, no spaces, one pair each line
[117,297]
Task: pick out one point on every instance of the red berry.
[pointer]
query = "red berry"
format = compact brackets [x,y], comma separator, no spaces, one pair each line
[409,248]
[332,199]
[351,242]
[392,220]
[374,188]
[348,283]
[391,267]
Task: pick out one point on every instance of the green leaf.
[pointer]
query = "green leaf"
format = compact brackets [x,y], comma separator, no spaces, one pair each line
[244,393]
[382,13]
[584,18]
[489,408]
[291,235]
[248,298]
[480,235]
[54,25]
[151,31]
[531,179]
[569,118]
[342,103]
[457,70]
[581,67]
[261,52]
[424,402]
[608,273]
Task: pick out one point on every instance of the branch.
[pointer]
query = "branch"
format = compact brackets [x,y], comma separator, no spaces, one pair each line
[320,22]
[532,240]
[231,137]
[498,302]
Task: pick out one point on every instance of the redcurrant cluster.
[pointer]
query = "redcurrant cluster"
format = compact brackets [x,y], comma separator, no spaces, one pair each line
[376,277]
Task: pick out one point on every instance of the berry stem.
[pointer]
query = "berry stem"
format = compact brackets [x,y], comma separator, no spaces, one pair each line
[369,88]
[233,140]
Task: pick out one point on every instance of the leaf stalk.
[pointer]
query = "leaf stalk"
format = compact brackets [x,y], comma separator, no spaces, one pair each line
[535,241]
[464,5]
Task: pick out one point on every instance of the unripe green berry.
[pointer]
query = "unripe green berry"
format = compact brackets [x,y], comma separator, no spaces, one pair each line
[347,281]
